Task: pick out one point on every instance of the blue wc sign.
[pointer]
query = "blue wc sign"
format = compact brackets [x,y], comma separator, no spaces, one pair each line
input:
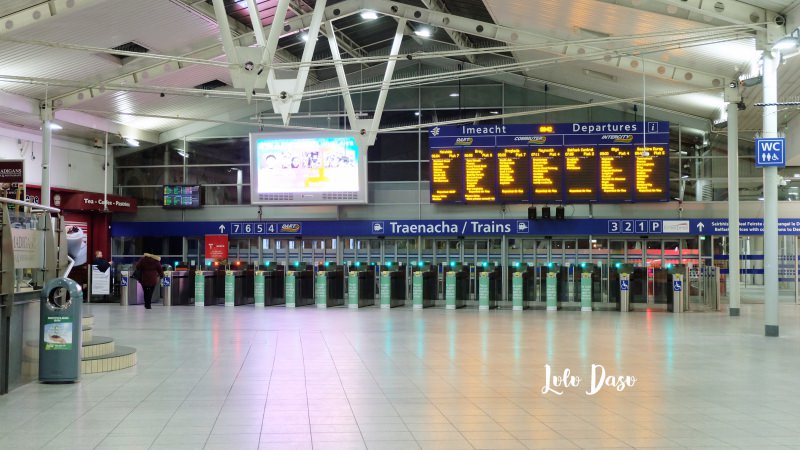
[771,152]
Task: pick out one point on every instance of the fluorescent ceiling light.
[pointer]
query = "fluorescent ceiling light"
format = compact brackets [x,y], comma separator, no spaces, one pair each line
[684,176]
[183,153]
[416,113]
[494,112]
[423,32]
[797,175]
[369,15]
[761,199]
[599,75]
[304,36]
[786,43]
[132,142]
[454,94]
[55,126]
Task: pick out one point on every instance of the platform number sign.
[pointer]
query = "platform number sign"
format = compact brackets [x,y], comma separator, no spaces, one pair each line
[771,152]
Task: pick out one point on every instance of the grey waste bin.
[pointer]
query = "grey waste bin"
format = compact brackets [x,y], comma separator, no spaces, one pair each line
[60,331]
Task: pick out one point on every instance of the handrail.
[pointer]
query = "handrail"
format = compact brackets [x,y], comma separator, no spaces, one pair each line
[30,205]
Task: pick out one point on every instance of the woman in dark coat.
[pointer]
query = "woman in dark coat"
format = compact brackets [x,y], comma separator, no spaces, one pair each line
[151,272]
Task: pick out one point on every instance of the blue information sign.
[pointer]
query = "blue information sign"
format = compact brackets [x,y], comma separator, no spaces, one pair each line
[771,152]
[452,227]
[677,285]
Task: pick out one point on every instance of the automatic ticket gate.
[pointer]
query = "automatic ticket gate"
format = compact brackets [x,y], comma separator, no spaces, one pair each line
[456,285]
[205,282]
[392,285]
[523,286]
[360,285]
[489,285]
[269,285]
[233,287]
[299,285]
[178,287]
[424,285]
[329,286]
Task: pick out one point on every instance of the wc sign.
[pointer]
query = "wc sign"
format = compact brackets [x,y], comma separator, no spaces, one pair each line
[771,152]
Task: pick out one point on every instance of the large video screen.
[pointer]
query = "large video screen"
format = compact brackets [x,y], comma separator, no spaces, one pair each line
[550,163]
[182,196]
[307,168]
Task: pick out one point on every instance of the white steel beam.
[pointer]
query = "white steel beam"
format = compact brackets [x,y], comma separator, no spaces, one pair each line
[41,12]
[368,128]
[461,40]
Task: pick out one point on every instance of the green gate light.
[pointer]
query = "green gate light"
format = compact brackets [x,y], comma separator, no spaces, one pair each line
[516,264]
[452,263]
[421,263]
[358,264]
[617,265]
[485,264]
[583,265]
[388,264]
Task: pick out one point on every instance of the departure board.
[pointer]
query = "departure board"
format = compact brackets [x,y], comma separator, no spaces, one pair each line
[580,173]
[513,167]
[480,175]
[547,173]
[550,163]
[447,176]
[616,183]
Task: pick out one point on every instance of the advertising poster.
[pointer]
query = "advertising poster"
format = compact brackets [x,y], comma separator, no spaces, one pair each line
[12,179]
[77,241]
[216,246]
[28,248]
[307,165]
[58,333]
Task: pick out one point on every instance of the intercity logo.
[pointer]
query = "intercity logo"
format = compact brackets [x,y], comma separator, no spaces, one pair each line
[435,131]
[619,138]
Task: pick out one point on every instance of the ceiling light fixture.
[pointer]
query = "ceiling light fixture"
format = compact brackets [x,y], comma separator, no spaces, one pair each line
[132,142]
[55,127]
[454,94]
[423,32]
[304,36]
[788,43]
[369,15]
[183,153]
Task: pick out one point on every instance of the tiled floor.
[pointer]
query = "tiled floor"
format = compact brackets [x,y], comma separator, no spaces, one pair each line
[278,378]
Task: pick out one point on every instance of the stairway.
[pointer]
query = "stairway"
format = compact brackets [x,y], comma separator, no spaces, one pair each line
[100,354]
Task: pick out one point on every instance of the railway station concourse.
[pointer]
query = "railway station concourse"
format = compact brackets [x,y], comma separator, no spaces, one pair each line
[455,224]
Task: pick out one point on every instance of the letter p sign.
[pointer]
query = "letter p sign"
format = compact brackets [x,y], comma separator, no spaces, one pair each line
[771,152]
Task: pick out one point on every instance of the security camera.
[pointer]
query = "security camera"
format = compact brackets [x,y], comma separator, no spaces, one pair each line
[733,85]
[363,131]
[284,95]
[249,66]
[741,106]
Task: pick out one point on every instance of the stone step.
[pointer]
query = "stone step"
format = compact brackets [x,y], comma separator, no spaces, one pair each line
[122,358]
[86,333]
[87,320]
[98,346]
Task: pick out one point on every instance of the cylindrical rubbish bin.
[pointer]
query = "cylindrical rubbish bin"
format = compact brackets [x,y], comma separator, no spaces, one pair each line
[60,331]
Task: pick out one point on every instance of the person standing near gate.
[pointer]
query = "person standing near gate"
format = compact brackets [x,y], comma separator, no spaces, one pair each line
[149,267]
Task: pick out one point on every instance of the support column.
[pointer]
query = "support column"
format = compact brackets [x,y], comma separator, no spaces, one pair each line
[770,125]
[734,291]
[47,134]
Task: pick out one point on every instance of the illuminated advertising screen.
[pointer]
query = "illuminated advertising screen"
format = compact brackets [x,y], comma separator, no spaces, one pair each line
[182,196]
[307,168]
[550,163]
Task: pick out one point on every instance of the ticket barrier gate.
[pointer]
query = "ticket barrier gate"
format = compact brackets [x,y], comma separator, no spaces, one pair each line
[178,287]
[393,285]
[424,285]
[248,285]
[678,276]
[523,286]
[361,286]
[456,285]
[552,285]
[299,285]
[131,292]
[585,277]
[205,287]
[626,279]
[233,287]
[268,285]
[489,286]
[329,286]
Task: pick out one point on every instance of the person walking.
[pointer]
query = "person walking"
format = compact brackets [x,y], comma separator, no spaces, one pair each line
[149,267]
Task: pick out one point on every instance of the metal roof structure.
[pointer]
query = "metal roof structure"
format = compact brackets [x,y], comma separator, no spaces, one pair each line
[142,68]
